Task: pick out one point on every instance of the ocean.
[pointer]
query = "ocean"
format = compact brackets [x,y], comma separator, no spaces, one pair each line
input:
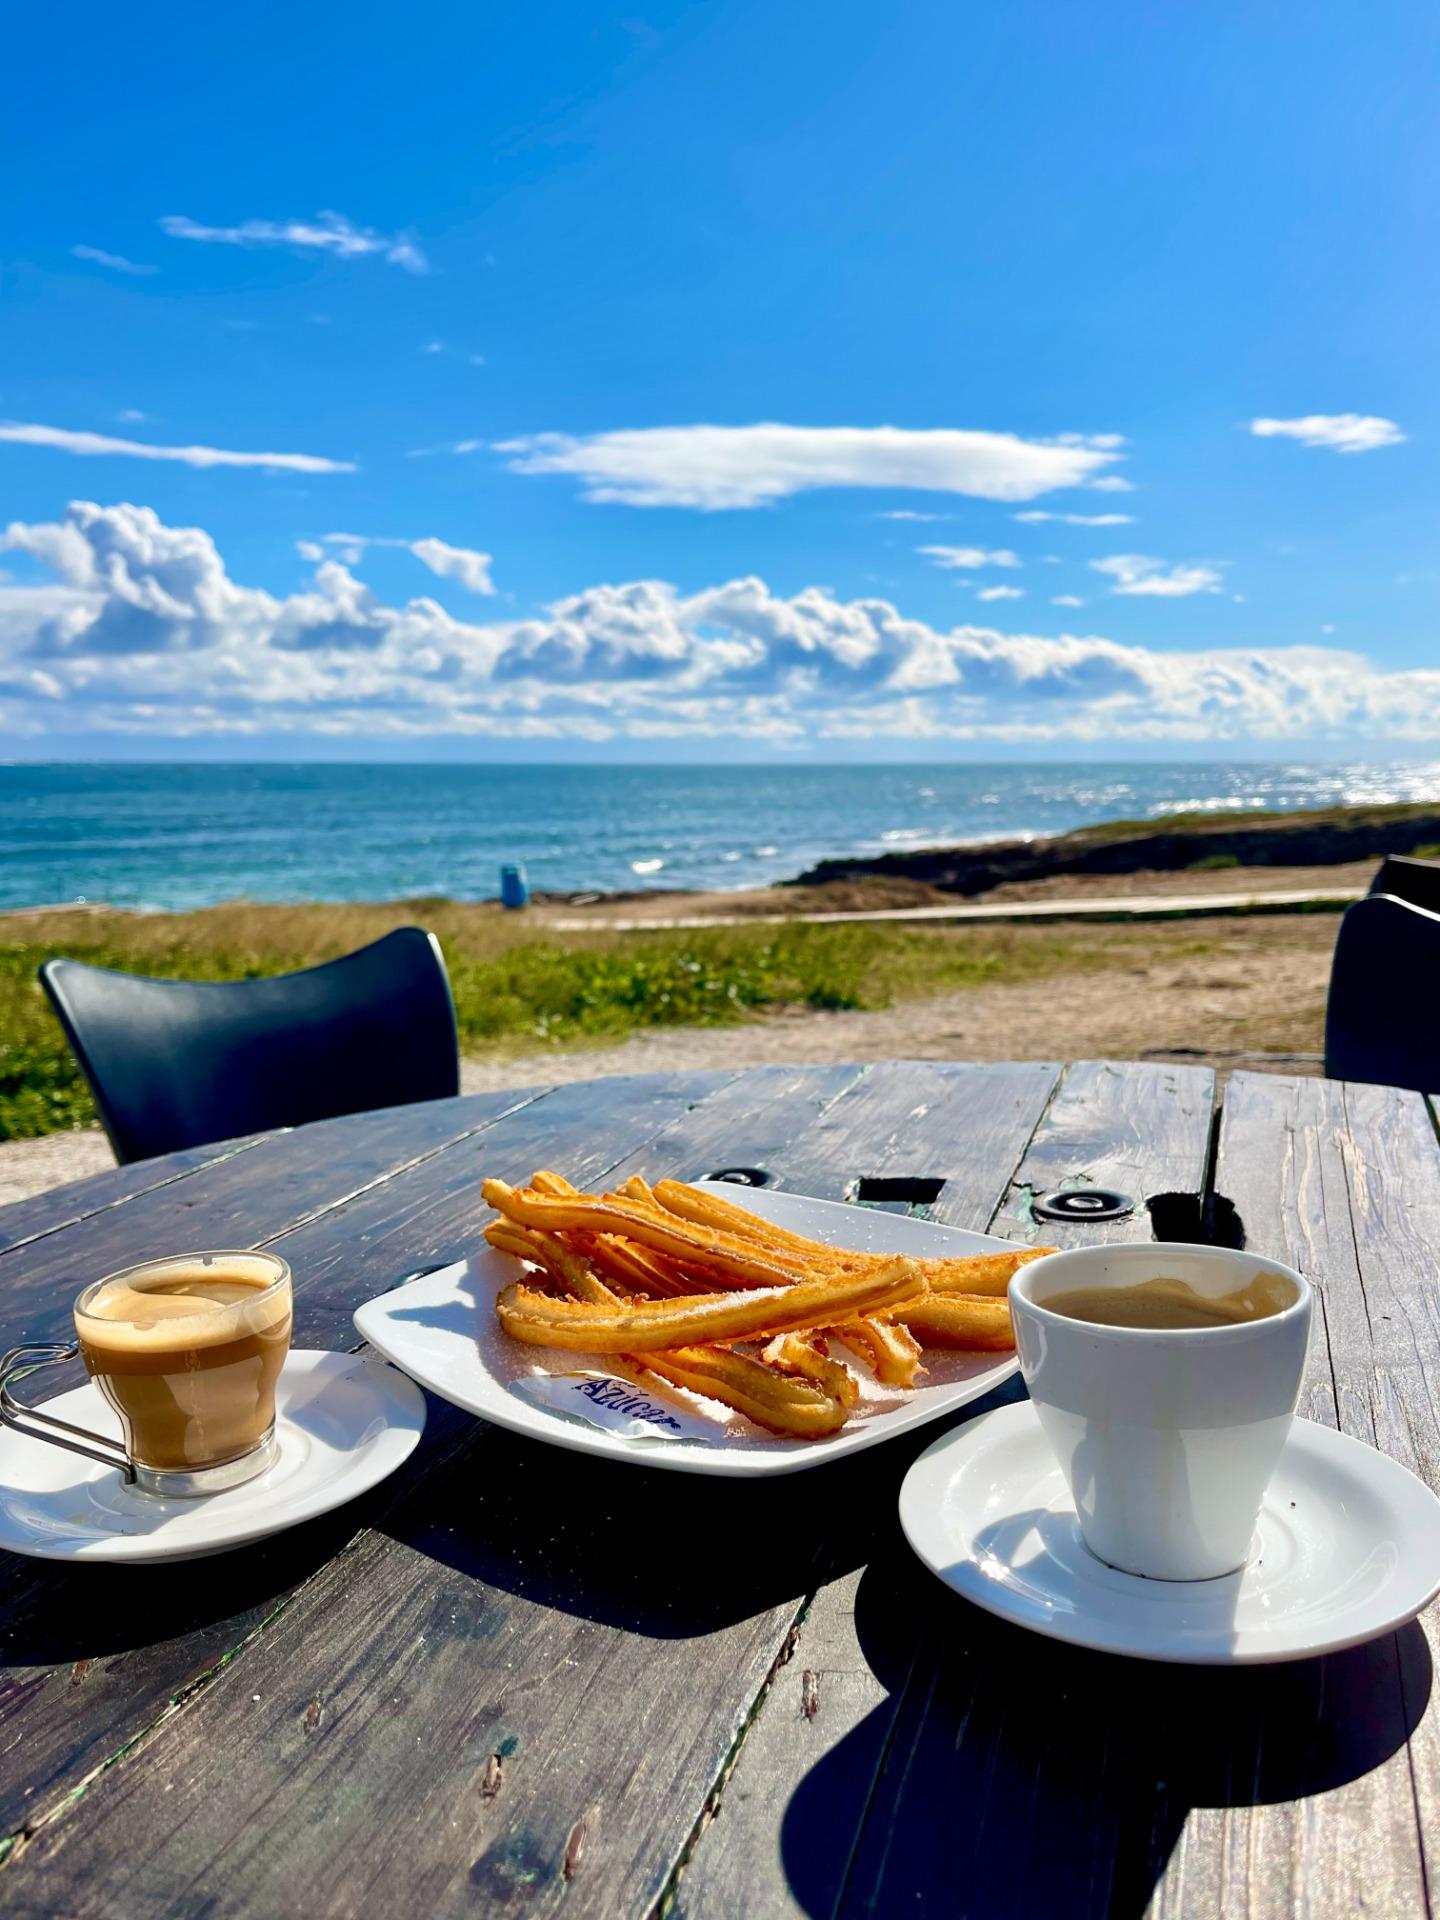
[188,836]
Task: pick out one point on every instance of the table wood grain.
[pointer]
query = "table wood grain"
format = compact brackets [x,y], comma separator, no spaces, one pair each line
[516,1680]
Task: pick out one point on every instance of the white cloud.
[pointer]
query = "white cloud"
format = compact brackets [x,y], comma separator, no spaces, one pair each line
[462,564]
[326,233]
[1344,432]
[433,346]
[476,359]
[131,416]
[145,632]
[65,441]
[117,261]
[1034,518]
[957,557]
[904,513]
[1001,593]
[471,569]
[718,467]
[1141,573]
[1111,483]
[1067,600]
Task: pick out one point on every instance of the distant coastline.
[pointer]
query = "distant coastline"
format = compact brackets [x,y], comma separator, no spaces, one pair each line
[1321,837]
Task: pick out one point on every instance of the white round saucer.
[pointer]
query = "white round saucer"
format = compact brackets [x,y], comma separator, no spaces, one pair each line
[1347,1547]
[344,1421]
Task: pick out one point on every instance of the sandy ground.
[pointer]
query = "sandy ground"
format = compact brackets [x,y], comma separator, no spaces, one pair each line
[1256,1000]
[873,894]
[33,1166]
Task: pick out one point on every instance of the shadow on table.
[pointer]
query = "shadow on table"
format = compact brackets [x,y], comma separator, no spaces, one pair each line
[1008,1775]
[655,1552]
[667,1554]
[56,1611]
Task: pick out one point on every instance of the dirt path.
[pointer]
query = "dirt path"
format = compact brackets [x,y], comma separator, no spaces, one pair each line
[1256,998]
[1253,1000]
[881,898]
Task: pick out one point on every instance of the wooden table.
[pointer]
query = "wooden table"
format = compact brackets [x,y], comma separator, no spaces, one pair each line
[513,1680]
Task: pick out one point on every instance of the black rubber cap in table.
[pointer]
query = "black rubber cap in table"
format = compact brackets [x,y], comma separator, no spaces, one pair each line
[1082,1203]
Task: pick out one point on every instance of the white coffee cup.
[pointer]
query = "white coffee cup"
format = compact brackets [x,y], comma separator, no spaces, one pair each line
[1167,1437]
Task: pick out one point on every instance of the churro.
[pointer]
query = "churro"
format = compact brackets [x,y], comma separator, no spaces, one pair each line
[703,1319]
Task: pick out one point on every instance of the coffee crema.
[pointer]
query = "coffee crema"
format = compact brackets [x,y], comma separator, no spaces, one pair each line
[1168,1305]
[188,1354]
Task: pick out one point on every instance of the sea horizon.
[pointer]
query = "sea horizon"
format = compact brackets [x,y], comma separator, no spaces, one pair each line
[177,835]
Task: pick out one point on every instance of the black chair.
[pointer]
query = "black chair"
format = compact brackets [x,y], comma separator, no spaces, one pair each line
[178,1063]
[1382,1020]
[1404,877]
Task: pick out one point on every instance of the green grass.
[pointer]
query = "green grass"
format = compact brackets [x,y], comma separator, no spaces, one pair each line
[513,991]
[1214,863]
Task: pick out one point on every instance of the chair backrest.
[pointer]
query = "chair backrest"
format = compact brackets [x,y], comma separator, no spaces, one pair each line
[1404,877]
[1382,1021]
[177,1063]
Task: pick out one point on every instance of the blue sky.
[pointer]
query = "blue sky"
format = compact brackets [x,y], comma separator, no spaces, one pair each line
[483,278]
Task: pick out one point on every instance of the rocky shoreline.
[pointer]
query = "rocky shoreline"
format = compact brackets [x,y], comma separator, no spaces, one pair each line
[1326,837]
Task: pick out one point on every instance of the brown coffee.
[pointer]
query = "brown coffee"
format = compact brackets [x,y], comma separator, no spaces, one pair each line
[188,1354]
[1164,1304]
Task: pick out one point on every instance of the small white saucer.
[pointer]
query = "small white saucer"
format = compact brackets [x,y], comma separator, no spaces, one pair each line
[1347,1547]
[344,1421]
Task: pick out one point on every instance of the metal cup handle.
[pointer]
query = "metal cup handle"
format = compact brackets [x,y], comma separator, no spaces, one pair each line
[19,1362]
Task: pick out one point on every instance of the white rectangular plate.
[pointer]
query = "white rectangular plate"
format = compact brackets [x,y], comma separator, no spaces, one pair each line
[442,1331]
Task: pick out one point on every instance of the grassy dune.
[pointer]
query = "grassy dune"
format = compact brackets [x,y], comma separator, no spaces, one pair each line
[516,990]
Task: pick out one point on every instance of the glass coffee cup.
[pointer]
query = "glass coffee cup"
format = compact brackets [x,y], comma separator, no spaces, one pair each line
[187,1352]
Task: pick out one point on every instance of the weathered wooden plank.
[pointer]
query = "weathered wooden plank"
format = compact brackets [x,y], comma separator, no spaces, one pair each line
[922,1705]
[630,1626]
[42,1213]
[1281,1162]
[959,1123]
[1395,1204]
[1136,1126]
[750,1123]
[89,1664]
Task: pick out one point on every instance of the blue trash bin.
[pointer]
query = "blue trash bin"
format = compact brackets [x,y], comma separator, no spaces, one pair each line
[513,890]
